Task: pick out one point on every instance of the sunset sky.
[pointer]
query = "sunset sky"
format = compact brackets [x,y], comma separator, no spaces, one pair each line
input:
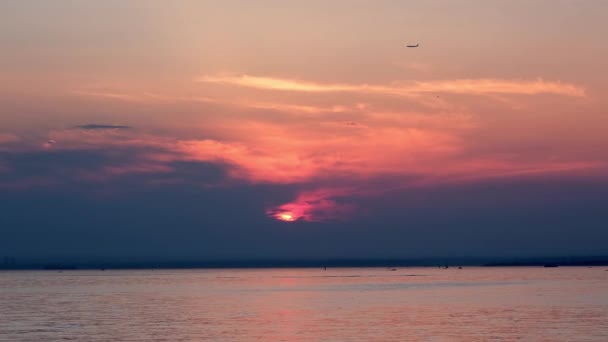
[303,129]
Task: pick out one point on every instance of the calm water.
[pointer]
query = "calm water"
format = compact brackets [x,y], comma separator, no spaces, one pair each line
[356,304]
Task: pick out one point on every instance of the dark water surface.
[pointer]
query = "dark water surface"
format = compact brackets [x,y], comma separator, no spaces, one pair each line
[348,304]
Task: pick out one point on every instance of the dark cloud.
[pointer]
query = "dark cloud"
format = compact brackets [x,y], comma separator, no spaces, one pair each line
[87,169]
[99,126]
[73,204]
[191,213]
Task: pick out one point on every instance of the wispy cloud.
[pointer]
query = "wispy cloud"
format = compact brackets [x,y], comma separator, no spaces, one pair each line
[8,138]
[403,88]
[101,127]
[139,97]
[112,95]
[316,205]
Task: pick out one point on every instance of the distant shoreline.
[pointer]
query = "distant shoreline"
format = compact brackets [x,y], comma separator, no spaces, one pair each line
[345,263]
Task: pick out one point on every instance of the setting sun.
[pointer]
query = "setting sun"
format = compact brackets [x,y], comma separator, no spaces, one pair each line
[286,217]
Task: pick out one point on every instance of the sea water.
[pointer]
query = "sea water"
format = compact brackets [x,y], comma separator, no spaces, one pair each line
[300,304]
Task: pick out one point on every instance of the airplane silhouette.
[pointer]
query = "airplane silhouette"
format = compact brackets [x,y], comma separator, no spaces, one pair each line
[413,46]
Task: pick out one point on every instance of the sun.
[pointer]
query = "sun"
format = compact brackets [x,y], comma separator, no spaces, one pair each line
[286,217]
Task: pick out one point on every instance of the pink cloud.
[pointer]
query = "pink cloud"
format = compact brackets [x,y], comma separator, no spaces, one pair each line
[8,138]
[329,133]
[317,205]
[410,149]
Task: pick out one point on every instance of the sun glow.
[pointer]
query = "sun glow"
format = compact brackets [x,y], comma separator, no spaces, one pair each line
[285,217]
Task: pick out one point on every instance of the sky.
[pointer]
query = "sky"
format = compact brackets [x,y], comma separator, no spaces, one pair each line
[216,130]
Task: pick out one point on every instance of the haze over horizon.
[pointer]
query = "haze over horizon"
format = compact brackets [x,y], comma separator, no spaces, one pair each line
[224,130]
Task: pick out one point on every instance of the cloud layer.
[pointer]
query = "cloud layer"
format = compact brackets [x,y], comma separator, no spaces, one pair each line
[332,141]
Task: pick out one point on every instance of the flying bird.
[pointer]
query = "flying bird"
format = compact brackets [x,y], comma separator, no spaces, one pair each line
[413,46]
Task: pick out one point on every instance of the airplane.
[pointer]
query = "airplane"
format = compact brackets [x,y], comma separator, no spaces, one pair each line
[413,46]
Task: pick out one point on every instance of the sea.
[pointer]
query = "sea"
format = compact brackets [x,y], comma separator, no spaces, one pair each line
[306,304]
